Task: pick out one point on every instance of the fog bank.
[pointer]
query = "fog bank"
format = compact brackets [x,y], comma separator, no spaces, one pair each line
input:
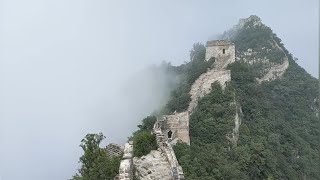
[68,68]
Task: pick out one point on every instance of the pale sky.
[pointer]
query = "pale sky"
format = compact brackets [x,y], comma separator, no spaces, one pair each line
[68,67]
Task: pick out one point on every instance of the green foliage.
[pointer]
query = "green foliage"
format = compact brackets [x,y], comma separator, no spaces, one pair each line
[209,124]
[214,116]
[147,123]
[143,142]
[261,40]
[180,98]
[279,135]
[95,163]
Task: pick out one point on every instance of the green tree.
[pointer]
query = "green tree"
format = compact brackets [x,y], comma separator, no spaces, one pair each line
[147,123]
[95,163]
[143,142]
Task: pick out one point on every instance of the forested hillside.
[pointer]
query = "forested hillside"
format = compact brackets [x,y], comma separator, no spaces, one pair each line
[279,133]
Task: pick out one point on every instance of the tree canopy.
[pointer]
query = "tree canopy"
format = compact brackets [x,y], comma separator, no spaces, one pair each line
[95,163]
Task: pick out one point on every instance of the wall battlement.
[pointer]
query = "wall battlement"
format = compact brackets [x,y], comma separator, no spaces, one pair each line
[219,43]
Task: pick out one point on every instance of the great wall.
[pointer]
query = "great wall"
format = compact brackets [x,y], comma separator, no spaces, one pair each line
[173,128]
[170,129]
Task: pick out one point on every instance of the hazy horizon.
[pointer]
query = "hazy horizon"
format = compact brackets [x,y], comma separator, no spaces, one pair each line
[66,68]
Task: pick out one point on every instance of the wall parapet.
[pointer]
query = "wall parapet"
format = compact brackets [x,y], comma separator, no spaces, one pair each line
[166,148]
[126,164]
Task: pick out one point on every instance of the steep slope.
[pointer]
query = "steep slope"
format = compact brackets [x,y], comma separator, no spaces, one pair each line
[278,135]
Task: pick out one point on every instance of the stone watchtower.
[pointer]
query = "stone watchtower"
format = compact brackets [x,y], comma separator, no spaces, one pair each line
[221,52]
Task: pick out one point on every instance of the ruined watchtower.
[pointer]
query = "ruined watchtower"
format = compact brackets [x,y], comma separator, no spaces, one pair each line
[222,52]
[175,127]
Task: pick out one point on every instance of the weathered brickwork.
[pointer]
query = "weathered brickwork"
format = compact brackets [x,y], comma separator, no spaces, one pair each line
[222,52]
[126,165]
[114,149]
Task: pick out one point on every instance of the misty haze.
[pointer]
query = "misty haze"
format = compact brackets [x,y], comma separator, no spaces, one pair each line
[71,68]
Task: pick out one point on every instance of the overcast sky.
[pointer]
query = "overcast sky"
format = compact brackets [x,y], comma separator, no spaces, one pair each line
[68,68]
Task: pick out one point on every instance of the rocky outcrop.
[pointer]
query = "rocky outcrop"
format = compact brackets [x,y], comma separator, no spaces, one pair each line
[315,106]
[234,136]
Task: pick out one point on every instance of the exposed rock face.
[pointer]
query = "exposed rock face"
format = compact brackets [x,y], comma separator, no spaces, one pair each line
[233,138]
[315,106]
[153,166]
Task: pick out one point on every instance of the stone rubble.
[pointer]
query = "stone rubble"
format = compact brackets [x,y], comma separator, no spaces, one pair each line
[153,166]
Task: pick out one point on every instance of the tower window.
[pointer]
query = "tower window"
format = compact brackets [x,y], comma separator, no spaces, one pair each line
[223,51]
[170,134]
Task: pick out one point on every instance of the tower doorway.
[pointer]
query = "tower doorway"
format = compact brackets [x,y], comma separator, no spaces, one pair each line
[170,134]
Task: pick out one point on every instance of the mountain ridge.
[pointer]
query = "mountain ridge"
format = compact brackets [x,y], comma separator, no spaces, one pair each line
[278,116]
[261,121]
